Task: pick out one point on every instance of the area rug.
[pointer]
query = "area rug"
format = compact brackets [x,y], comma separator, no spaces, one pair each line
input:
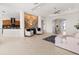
[50,38]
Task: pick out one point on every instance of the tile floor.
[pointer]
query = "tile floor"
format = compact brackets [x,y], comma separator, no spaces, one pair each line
[34,45]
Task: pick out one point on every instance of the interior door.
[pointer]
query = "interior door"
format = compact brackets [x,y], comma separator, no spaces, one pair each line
[59,26]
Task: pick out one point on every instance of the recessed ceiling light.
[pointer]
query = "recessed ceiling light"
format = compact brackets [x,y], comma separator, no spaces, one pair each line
[3,11]
[36,3]
[30,10]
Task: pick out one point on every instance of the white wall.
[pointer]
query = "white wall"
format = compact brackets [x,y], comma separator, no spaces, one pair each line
[49,25]
[22,23]
[0,25]
[72,18]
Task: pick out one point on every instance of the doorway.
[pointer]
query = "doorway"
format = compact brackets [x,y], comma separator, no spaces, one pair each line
[59,26]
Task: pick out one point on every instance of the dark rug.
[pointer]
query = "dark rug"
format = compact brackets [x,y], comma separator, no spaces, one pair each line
[50,38]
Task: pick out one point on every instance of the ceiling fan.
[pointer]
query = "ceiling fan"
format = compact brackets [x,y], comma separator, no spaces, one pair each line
[57,11]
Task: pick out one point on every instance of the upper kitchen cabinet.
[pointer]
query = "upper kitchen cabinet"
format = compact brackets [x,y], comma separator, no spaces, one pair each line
[12,23]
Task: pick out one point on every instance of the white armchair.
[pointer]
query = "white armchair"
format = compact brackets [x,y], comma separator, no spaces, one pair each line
[28,33]
[39,31]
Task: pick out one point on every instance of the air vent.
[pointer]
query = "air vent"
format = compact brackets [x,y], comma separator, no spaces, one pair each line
[3,11]
[36,3]
[57,11]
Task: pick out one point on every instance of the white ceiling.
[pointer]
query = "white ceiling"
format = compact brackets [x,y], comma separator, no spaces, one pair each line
[13,9]
[43,9]
[50,8]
